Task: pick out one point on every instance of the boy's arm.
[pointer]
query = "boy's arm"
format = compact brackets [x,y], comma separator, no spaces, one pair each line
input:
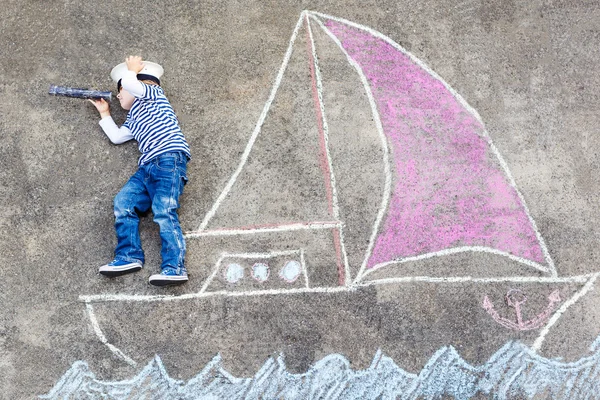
[131,83]
[115,134]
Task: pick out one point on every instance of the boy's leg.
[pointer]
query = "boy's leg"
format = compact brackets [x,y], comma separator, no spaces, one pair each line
[167,180]
[132,198]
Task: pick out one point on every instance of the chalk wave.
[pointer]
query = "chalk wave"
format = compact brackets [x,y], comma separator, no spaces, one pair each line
[515,371]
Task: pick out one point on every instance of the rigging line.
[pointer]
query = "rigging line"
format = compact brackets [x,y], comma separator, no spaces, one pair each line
[586,288]
[386,164]
[326,162]
[271,225]
[257,128]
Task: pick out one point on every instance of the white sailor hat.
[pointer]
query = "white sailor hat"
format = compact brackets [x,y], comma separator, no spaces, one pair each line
[151,71]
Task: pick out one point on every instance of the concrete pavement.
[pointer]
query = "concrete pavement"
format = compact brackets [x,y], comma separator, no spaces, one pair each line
[529,69]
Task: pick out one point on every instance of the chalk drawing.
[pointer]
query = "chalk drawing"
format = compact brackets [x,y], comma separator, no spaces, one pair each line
[384,145]
[265,229]
[515,298]
[396,88]
[96,326]
[452,172]
[446,188]
[260,272]
[234,272]
[472,249]
[257,128]
[588,281]
[589,285]
[290,271]
[327,164]
[514,371]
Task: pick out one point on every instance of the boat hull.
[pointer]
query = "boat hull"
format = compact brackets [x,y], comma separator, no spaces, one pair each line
[409,321]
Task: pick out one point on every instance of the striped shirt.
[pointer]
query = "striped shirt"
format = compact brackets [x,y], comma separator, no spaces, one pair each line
[151,121]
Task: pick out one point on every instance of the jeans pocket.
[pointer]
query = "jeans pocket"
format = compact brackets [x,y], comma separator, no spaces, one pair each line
[166,163]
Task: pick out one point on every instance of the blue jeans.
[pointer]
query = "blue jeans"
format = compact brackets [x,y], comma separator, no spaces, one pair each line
[157,185]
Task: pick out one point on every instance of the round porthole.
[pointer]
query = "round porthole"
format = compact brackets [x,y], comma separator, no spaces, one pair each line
[260,272]
[234,272]
[290,271]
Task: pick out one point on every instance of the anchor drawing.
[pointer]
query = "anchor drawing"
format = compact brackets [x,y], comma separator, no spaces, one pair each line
[515,298]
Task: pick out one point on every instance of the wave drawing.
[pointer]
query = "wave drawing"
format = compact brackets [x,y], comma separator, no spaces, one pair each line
[514,371]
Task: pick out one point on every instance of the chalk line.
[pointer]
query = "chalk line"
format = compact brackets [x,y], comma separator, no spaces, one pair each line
[224,293]
[586,288]
[303,263]
[470,279]
[257,128]
[386,164]
[270,254]
[505,391]
[463,249]
[531,220]
[212,276]
[417,61]
[271,229]
[332,195]
[100,335]
[336,289]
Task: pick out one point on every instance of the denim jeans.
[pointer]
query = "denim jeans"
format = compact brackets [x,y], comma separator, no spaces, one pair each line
[157,185]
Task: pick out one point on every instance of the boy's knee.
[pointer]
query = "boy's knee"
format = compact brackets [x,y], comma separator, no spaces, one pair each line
[165,210]
[121,205]
[164,205]
[164,214]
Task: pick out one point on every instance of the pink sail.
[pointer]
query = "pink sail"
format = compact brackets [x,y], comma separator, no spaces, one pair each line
[449,189]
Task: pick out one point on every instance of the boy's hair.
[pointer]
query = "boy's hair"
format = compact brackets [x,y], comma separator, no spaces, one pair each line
[144,78]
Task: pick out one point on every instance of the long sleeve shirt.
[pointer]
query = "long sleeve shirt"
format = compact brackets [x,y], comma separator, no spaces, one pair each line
[151,122]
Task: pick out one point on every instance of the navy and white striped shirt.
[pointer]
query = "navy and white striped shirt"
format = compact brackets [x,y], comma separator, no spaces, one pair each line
[153,124]
[151,121]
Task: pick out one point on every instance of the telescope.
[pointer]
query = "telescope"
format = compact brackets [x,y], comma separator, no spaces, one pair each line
[79,93]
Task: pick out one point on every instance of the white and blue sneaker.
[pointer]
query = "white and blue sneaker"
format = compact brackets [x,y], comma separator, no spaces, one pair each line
[119,267]
[169,276]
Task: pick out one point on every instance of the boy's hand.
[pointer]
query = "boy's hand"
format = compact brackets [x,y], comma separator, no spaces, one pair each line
[102,107]
[134,63]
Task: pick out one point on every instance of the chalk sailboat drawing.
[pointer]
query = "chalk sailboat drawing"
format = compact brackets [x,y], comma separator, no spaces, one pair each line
[439,186]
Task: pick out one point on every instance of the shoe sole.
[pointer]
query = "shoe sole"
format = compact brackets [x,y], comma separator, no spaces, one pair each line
[161,280]
[118,271]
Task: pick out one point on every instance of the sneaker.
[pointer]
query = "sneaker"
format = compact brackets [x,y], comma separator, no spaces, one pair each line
[169,276]
[119,267]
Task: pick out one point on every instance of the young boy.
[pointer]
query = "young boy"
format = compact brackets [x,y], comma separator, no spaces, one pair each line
[161,173]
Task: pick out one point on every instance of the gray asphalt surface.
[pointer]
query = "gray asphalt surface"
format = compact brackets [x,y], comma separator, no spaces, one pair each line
[529,68]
